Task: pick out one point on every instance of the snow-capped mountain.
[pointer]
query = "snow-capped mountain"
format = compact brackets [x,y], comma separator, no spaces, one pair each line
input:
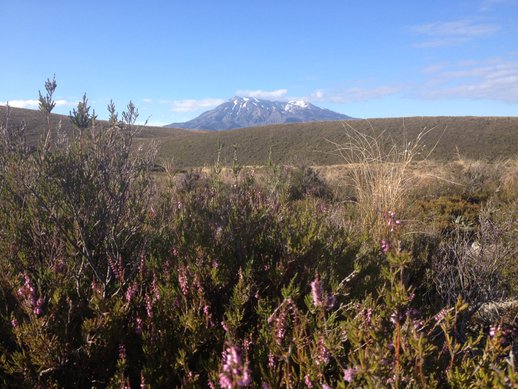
[241,112]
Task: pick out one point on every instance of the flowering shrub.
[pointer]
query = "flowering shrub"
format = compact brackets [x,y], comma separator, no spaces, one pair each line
[212,283]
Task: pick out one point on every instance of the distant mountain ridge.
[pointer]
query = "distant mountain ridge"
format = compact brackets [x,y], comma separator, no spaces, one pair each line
[240,112]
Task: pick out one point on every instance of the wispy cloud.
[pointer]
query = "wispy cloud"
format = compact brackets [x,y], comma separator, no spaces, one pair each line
[354,94]
[489,4]
[192,105]
[33,104]
[146,100]
[492,79]
[262,94]
[452,33]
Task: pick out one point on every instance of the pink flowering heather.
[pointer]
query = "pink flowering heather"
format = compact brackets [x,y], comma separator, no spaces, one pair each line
[307,381]
[316,292]
[142,266]
[247,343]
[368,316]
[142,380]
[392,221]
[96,288]
[149,306]
[280,326]
[130,292]
[183,281]
[271,361]
[26,293]
[117,268]
[440,316]
[322,357]
[224,325]
[138,326]
[385,246]
[349,374]
[208,316]
[234,372]
[37,307]
[27,290]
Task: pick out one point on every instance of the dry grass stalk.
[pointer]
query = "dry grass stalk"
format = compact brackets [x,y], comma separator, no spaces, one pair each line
[380,172]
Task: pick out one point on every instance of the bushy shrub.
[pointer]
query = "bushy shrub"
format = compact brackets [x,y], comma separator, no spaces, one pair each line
[216,282]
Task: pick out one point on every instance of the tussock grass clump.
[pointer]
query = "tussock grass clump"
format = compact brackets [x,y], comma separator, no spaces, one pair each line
[380,170]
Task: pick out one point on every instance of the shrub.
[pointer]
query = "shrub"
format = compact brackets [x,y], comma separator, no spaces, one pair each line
[227,282]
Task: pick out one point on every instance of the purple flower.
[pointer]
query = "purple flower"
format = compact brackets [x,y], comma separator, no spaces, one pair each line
[233,369]
[349,374]
[368,316]
[130,292]
[182,280]
[14,323]
[271,361]
[225,381]
[138,325]
[307,381]
[440,316]
[37,306]
[316,292]
[224,325]
[149,306]
[322,353]
[385,246]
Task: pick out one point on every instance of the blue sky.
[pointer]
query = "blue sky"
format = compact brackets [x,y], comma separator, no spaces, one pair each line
[176,59]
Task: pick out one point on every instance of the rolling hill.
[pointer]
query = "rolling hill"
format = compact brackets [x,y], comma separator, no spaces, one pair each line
[486,138]
[36,124]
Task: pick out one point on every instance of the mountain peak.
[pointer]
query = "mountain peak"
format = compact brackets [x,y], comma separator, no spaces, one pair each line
[243,98]
[245,111]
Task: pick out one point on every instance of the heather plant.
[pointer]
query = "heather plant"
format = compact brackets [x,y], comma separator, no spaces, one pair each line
[211,282]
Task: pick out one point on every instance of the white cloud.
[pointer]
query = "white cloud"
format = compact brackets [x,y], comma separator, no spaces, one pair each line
[146,100]
[261,94]
[33,104]
[191,105]
[354,94]
[21,103]
[452,33]
[492,79]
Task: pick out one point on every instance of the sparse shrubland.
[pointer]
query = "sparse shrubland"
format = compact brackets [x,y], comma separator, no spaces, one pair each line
[114,276]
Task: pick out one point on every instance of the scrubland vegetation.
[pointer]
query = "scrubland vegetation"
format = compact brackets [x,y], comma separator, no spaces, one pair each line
[389,272]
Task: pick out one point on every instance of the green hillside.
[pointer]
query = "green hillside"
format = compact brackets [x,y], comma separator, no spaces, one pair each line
[487,138]
[311,143]
[35,123]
